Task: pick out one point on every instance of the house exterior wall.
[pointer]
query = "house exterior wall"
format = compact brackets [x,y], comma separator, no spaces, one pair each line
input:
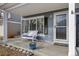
[50,27]
[49,37]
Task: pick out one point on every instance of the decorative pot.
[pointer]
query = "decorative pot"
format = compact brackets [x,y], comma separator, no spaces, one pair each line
[32,45]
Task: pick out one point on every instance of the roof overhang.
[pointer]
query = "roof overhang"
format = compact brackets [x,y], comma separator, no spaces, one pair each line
[35,8]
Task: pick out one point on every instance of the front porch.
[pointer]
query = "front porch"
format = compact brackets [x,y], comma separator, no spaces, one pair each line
[44,48]
[55,25]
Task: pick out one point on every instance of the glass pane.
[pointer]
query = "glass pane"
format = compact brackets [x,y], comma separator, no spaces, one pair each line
[46,25]
[33,24]
[40,26]
[61,33]
[61,20]
[26,26]
[23,26]
[77,30]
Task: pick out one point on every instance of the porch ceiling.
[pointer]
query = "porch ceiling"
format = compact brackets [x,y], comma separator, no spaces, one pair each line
[5,6]
[33,8]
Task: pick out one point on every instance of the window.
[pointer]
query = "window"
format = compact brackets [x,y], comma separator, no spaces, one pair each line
[36,23]
[23,26]
[46,25]
[26,26]
[61,33]
[33,24]
[61,20]
[61,26]
[40,22]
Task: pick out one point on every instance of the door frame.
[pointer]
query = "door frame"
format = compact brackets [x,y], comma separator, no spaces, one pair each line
[54,28]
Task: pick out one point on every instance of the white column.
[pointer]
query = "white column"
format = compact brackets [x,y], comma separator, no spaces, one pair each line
[72,29]
[5,18]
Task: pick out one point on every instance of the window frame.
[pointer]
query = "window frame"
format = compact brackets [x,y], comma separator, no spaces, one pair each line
[36,18]
[67,25]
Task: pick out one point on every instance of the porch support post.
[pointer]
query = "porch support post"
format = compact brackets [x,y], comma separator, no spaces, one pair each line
[72,29]
[5,18]
[21,27]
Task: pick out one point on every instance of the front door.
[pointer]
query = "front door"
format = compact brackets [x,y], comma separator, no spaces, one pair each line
[60,27]
[77,30]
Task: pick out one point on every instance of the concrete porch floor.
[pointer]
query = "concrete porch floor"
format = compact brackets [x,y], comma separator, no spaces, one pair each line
[44,49]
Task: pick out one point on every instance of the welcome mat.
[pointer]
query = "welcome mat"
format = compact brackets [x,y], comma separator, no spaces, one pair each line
[61,44]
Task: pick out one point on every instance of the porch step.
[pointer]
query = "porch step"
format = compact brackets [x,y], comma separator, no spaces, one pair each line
[61,44]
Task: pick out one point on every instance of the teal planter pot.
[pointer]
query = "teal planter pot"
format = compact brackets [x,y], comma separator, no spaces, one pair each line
[32,45]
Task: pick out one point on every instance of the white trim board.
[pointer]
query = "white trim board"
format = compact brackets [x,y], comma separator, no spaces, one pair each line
[14,22]
[72,30]
[32,18]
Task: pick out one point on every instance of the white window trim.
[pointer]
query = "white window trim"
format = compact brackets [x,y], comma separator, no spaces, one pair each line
[60,41]
[29,22]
